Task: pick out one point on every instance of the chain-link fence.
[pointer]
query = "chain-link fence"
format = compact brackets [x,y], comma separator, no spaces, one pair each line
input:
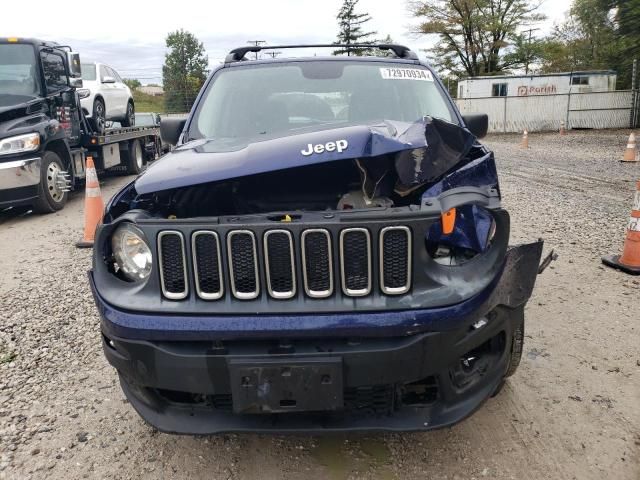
[611,109]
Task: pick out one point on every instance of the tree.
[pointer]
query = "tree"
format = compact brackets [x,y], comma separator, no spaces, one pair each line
[385,53]
[184,70]
[591,38]
[132,83]
[473,35]
[350,29]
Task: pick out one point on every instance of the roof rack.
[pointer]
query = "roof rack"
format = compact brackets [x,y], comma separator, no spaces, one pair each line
[400,51]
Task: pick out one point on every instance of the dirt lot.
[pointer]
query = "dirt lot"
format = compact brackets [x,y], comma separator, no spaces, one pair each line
[571,411]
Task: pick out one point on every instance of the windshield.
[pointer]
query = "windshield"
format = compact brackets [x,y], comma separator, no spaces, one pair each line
[18,78]
[144,120]
[283,99]
[88,71]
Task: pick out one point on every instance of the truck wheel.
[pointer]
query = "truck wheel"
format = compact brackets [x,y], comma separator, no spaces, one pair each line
[135,158]
[52,192]
[99,116]
[130,118]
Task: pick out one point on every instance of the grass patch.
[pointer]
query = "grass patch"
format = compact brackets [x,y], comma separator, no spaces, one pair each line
[148,103]
[8,357]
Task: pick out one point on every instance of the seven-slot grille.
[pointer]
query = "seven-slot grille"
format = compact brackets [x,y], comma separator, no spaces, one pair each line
[278,262]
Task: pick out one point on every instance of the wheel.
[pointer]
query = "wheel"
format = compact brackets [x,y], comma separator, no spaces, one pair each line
[99,116]
[130,118]
[517,344]
[52,190]
[135,158]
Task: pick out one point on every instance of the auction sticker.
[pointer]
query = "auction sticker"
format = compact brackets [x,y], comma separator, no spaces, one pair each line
[389,73]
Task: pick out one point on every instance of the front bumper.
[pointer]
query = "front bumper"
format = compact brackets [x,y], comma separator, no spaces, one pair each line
[395,384]
[175,369]
[19,180]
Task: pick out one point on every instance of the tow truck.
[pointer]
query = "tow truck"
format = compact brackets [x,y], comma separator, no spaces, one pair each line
[45,137]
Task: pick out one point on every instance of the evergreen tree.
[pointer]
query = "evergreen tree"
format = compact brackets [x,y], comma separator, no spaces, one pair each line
[184,70]
[350,29]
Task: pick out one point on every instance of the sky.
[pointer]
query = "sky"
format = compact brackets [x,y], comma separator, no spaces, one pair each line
[129,35]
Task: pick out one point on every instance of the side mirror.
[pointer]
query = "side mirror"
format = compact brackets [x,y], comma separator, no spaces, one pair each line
[108,80]
[73,59]
[478,124]
[171,129]
[75,82]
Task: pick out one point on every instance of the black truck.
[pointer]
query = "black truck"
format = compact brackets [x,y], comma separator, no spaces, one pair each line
[44,135]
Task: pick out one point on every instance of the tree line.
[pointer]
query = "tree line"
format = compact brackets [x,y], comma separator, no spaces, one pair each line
[491,37]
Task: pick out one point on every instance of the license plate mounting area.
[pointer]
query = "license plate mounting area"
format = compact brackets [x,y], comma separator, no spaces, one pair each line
[286,385]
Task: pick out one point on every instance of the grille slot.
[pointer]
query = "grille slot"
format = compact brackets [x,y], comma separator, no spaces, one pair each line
[355,261]
[279,264]
[317,263]
[395,260]
[173,265]
[207,265]
[243,264]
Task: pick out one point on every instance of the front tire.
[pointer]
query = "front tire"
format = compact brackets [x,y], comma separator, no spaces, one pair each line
[129,119]
[517,344]
[99,116]
[52,191]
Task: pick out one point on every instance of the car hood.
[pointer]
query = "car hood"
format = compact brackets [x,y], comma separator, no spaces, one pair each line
[424,150]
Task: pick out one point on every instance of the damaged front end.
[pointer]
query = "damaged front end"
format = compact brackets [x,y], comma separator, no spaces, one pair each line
[382,249]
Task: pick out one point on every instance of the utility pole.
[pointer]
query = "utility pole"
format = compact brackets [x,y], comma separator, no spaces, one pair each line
[526,65]
[257,43]
[635,103]
[273,54]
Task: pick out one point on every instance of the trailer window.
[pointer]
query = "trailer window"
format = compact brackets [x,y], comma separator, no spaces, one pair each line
[18,77]
[498,89]
[579,80]
[55,74]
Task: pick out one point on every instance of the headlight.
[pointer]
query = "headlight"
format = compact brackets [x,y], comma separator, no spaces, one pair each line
[132,254]
[470,234]
[20,143]
[84,92]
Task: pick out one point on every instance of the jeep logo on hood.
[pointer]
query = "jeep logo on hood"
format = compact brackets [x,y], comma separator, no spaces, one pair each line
[337,146]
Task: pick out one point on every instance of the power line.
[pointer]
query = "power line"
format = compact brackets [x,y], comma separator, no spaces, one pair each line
[257,44]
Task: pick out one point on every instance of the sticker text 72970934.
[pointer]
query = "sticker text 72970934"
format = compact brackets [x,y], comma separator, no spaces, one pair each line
[389,73]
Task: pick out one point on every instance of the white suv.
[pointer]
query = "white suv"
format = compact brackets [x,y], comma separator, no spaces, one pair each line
[105,96]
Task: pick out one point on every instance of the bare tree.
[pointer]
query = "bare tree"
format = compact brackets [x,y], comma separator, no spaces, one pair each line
[473,34]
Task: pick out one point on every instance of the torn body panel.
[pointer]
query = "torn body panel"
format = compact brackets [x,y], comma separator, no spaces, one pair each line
[393,160]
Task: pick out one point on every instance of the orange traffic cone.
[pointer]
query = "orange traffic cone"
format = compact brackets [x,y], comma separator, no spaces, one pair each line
[563,131]
[631,152]
[93,206]
[629,261]
[525,140]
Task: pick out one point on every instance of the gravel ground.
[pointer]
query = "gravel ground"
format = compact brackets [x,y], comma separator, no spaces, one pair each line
[571,411]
